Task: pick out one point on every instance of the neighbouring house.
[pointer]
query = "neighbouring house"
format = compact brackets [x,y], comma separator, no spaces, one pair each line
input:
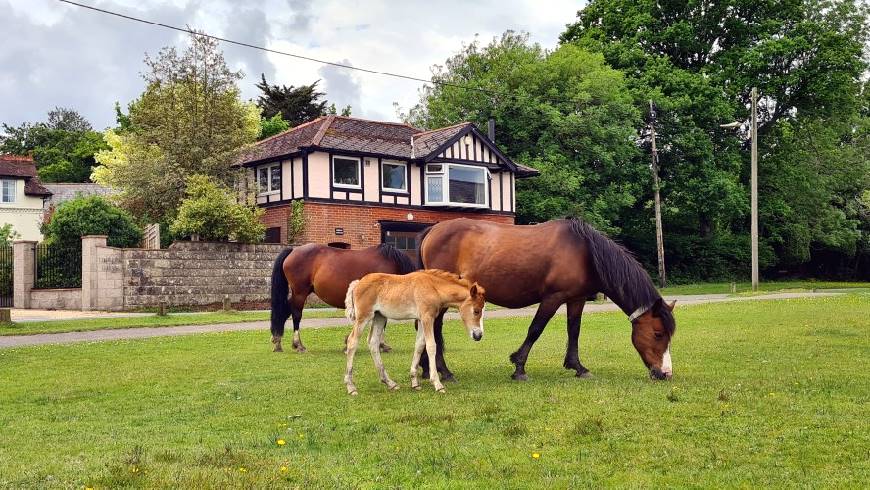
[65,191]
[368,182]
[22,196]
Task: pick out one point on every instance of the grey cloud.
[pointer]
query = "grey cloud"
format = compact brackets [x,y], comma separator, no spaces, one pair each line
[302,16]
[340,86]
[249,25]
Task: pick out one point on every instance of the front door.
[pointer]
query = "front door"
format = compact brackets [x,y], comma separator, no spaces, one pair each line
[402,235]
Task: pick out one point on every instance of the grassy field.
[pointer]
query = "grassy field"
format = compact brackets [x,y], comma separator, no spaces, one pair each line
[766,393]
[763,287]
[171,320]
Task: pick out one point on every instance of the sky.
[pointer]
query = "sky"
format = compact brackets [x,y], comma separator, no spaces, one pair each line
[54,54]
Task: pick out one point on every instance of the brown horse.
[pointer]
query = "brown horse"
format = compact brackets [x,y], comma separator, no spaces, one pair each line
[554,263]
[326,272]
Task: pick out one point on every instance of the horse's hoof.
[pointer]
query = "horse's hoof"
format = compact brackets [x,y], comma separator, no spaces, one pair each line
[395,387]
[519,377]
[448,378]
[353,393]
[278,349]
[418,387]
[386,348]
[441,390]
[584,374]
[300,349]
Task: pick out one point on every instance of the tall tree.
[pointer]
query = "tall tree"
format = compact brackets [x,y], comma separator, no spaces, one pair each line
[698,61]
[189,120]
[296,105]
[63,147]
[565,113]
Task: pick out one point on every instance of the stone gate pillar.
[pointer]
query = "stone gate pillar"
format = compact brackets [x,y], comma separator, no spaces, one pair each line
[24,260]
[90,276]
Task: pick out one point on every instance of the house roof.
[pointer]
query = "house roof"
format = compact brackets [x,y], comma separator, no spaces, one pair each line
[342,133]
[68,190]
[22,167]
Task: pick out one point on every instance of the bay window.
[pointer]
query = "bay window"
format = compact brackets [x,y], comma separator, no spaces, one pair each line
[451,184]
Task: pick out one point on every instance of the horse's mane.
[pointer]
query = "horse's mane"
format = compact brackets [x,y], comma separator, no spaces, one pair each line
[398,257]
[448,276]
[622,277]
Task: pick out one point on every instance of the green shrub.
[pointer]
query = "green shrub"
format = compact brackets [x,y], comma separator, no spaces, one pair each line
[8,235]
[91,215]
[212,212]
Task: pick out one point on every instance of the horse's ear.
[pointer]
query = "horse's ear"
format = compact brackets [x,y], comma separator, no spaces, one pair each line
[671,305]
[474,290]
[657,307]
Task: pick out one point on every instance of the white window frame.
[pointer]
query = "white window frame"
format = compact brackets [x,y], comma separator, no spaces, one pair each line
[404,172]
[445,185]
[14,191]
[358,172]
[268,168]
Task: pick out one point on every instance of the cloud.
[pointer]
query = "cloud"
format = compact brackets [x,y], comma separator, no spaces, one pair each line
[59,55]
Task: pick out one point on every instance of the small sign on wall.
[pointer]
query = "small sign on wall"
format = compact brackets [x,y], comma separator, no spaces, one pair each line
[339,231]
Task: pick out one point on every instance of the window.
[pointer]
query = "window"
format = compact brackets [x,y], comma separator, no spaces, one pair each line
[273,235]
[8,191]
[269,179]
[457,185]
[346,172]
[394,176]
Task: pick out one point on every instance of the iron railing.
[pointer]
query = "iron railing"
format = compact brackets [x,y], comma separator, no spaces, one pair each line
[6,274]
[58,266]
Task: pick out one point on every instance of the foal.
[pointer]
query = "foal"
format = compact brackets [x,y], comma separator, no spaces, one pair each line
[420,295]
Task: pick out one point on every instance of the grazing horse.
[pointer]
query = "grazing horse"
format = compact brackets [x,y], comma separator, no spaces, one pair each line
[419,296]
[553,263]
[326,272]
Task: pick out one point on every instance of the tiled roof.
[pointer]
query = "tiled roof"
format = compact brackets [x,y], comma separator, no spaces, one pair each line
[357,135]
[66,191]
[22,167]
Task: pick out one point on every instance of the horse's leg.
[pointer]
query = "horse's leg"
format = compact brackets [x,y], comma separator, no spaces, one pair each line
[429,336]
[384,347]
[572,357]
[546,310]
[352,341]
[297,304]
[419,347]
[375,338]
[446,375]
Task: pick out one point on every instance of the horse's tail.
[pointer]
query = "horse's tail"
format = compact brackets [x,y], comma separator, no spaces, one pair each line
[280,294]
[420,237]
[349,310]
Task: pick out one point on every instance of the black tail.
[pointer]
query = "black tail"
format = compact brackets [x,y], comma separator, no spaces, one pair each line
[420,237]
[280,293]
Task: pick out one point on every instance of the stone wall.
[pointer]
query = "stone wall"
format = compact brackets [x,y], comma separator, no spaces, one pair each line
[56,299]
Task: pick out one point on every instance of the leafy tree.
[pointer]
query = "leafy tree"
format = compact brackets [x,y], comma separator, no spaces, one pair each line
[698,61]
[565,113]
[190,120]
[272,126]
[8,235]
[63,148]
[212,212]
[91,215]
[296,105]
[345,111]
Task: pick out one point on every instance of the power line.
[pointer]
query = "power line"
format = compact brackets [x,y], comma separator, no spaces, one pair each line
[294,55]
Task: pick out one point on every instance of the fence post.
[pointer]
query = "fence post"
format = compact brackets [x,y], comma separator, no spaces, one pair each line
[24,260]
[90,271]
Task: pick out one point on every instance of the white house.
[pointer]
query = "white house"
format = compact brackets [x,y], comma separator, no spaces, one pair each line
[21,196]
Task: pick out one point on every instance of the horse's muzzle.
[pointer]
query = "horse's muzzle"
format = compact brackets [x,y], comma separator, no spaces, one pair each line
[656,373]
[477,334]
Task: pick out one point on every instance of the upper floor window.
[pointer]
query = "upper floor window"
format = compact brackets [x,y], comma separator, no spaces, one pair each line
[456,185]
[269,179]
[8,190]
[346,172]
[394,176]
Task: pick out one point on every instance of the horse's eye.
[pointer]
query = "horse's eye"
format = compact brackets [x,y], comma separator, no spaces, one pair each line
[659,335]
[477,312]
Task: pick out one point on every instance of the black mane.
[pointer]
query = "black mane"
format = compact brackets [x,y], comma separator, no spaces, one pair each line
[398,257]
[622,277]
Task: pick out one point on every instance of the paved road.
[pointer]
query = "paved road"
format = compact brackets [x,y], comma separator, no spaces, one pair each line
[146,332]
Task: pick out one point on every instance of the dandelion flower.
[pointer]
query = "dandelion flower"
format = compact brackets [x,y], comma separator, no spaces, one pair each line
[243,470]
[535,455]
[280,442]
[283,469]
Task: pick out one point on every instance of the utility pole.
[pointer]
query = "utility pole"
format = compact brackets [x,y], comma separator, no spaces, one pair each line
[754,189]
[660,246]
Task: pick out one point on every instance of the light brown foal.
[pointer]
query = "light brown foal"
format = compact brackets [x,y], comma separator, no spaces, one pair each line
[421,295]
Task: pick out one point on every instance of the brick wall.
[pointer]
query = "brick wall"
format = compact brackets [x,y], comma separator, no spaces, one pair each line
[361,222]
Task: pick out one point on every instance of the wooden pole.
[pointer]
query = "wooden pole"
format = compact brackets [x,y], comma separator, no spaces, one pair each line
[754,189]
[660,246]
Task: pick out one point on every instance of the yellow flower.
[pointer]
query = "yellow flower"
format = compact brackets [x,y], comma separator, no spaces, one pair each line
[243,470]
[301,436]
[283,469]
[280,442]
[535,455]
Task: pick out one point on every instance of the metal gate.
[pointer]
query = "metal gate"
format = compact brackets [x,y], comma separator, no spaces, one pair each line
[6,295]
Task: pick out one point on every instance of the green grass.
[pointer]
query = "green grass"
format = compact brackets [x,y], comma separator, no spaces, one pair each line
[766,393]
[171,320]
[763,286]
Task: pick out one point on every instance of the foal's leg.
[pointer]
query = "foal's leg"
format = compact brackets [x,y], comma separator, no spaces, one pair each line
[572,358]
[546,310]
[429,336]
[446,375]
[352,341]
[419,347]
[375,339]
[297,304]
